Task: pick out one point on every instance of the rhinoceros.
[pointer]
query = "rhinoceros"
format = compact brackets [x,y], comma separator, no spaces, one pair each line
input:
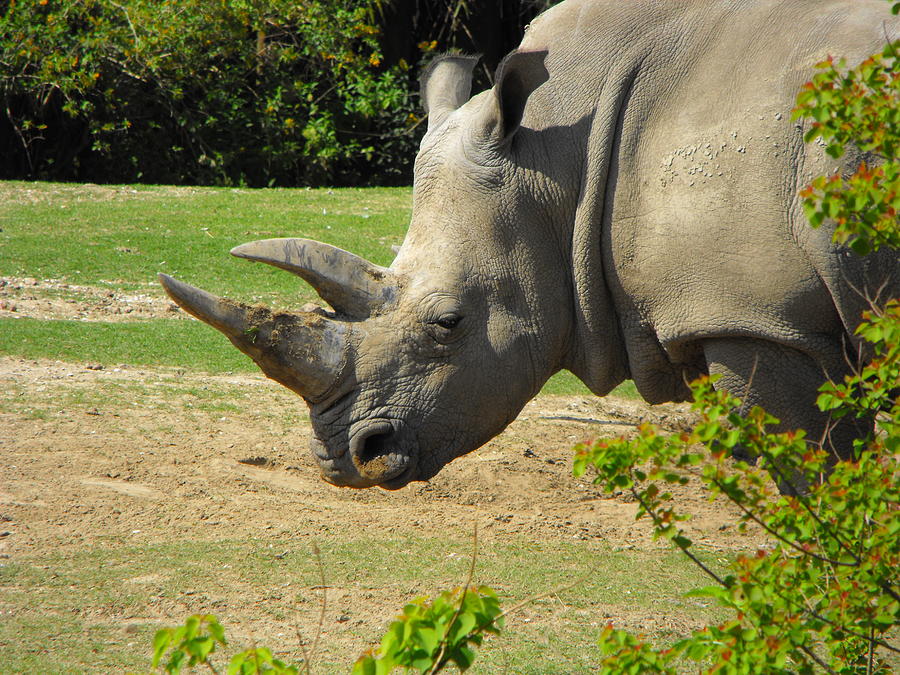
[622,203]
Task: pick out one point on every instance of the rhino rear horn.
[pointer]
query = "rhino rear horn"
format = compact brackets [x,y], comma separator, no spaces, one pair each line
[445,85]
[303,351]
[353,286]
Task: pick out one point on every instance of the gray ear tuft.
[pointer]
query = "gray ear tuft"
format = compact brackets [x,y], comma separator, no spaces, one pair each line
[445,85]
[518,75]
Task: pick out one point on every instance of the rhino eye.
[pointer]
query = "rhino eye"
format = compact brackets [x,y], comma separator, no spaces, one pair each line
[449,321]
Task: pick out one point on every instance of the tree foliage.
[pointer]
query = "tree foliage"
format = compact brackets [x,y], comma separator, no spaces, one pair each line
[246,91]
[858,106]
[429,636]
[826,596]
[257,92]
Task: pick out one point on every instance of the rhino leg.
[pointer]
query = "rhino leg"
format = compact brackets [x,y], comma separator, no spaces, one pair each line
[784,382]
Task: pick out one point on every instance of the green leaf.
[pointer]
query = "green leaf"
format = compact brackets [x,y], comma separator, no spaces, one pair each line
[464,623]
[161,642]
[216,630]
[464,658]
[860,246]
[428,638]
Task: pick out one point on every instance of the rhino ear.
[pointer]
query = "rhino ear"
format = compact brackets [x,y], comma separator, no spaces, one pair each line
[445,85]
[518,75]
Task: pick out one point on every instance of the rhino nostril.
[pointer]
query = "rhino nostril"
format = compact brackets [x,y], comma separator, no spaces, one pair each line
[374,451]
[374,447]
[377,451]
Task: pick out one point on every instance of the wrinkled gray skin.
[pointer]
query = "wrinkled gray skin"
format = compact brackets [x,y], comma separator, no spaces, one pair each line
[622,204]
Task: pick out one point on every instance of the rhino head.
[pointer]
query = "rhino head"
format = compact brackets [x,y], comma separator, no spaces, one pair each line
[424,361]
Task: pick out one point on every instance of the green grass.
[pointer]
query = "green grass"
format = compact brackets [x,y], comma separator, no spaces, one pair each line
[121,236]
[126,235]
[70,612]
[565,383]
[159,342]
[168,342]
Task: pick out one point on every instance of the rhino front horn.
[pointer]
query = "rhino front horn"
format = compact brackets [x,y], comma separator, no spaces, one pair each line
[303,351]
[353,286]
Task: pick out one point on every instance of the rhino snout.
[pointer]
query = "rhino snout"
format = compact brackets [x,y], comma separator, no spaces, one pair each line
[376,455]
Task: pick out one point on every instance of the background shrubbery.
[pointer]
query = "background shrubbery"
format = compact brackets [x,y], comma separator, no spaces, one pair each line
[255,92]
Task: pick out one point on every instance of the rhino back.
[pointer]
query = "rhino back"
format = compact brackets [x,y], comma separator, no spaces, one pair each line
[701,231]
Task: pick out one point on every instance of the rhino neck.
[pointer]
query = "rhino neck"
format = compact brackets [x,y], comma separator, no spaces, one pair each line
[595,349]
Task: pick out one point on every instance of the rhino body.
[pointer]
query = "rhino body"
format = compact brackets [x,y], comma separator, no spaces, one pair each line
[622,203]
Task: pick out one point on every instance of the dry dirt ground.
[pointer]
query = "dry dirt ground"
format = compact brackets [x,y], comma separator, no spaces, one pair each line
[156,466]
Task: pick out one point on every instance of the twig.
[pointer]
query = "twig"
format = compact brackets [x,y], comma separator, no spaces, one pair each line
[689,554]
[22,140]
[871,662]
[540,596]
[128,19]
[805,504]
[308,654]
[124,69]
[438,663]
[830,622]
[756,519]
[806,650]
[324,605]
[890,591]
[807,610]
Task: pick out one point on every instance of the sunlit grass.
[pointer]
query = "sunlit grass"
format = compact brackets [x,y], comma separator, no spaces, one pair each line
[120,237]
[167,342]
[49,595]
[126,235]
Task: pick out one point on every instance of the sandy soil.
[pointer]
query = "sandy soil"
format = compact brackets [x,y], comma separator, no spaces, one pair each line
[521,482]
[153,469]
[55,299]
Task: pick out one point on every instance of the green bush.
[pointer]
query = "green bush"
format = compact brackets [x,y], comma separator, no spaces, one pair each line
[255,92]
[826,597]
[427,637]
